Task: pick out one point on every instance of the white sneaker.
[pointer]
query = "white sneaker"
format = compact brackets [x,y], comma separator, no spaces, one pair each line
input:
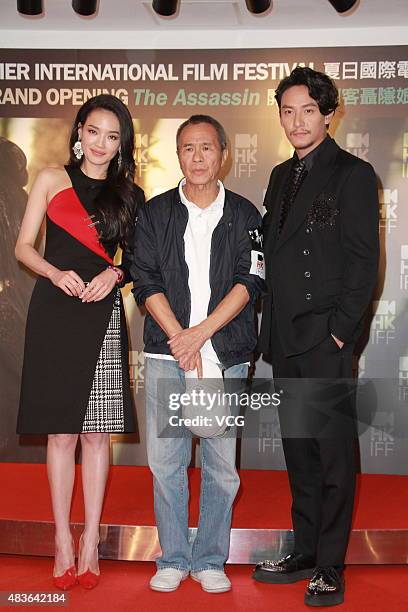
[212,580]
[167,579]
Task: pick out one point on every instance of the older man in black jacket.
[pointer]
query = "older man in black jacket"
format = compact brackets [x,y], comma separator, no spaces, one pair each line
[321,254]
[198,269]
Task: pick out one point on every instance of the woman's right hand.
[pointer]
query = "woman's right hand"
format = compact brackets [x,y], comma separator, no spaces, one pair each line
[68,281]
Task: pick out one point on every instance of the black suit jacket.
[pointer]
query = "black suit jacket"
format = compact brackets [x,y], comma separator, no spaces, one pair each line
[322,269]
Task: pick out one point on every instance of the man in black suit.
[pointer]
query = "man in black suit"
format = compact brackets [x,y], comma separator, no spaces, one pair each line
[321,256]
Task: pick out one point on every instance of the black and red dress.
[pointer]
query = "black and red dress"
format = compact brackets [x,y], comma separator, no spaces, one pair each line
[75,374]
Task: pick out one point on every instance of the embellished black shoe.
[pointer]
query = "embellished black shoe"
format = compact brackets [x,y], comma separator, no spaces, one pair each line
[326,588]
[286,570]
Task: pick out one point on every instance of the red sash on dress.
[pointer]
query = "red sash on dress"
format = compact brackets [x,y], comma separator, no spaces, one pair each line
[66,210]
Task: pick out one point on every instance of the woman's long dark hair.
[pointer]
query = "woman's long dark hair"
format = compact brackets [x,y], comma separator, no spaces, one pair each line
[115,202]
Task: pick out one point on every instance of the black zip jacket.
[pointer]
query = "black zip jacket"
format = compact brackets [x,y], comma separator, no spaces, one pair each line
[159,266]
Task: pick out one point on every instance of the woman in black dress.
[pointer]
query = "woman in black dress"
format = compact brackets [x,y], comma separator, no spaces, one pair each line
[75,379]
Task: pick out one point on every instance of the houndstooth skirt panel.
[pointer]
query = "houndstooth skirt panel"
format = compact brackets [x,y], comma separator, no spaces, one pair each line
[104,413]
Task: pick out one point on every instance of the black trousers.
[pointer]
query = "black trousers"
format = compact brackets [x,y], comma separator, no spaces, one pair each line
[321,469]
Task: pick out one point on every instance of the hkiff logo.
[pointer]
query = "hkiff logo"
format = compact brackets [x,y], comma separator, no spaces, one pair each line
[246,148]
[403,379]
[388,208]
[136,370]
[382,441]
[358,144]
[142,156]
[383,322]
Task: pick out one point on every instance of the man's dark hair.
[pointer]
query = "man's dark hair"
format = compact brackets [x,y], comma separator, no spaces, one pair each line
[321,88]
[195,119]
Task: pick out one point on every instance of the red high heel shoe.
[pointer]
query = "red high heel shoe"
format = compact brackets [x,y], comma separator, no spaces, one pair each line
[67,580]
[89,579]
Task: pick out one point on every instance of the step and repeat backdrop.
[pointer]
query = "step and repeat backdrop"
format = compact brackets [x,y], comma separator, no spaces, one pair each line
[40,93]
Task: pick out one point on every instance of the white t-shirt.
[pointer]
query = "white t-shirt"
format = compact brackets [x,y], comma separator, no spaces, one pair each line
[197,243]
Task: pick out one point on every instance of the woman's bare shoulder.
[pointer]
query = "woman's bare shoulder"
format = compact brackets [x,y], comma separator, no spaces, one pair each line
[53,179]
[51,174]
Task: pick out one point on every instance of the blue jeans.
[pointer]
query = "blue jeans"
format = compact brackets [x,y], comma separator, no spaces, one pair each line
[169,459]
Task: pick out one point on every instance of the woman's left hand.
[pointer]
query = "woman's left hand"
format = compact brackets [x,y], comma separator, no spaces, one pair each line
[100,286]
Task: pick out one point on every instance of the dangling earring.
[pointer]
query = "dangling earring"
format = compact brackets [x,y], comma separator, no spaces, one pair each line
[77,149]
[120,158]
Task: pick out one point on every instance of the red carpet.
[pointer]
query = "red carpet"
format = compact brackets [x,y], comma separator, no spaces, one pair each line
[123,588]
[263,500]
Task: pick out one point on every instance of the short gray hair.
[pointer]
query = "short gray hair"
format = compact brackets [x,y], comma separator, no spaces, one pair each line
[196,119]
